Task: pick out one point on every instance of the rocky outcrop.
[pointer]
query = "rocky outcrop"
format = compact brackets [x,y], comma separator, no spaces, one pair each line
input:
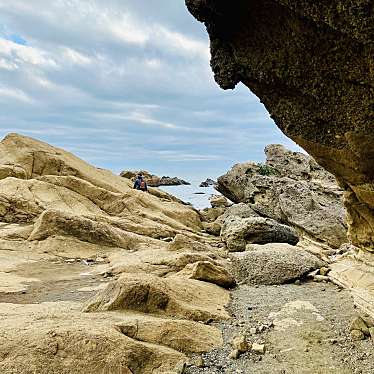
[153,180]
[56,209]
[291,188]
[207,183]
[311,66]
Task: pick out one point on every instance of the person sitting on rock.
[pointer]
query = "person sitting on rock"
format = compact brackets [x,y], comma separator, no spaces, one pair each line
[140,183]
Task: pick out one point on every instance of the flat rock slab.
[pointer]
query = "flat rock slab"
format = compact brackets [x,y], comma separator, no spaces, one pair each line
[273,264]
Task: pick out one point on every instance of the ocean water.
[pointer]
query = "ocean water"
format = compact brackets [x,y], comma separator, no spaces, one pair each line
[188,194]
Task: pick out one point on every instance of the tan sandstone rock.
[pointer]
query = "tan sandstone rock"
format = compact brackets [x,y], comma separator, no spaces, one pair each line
[177,297]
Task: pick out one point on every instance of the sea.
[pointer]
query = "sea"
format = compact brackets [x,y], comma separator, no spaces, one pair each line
[197,196]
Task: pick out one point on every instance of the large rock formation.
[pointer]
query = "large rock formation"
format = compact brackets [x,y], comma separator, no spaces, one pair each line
[311,65]
[57,214]
[292,189]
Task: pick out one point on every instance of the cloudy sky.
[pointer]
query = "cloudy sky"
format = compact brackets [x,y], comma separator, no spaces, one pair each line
[124,84]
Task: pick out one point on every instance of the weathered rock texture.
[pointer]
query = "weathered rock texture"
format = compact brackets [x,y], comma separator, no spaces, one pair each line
[311,64]
[54,208]
[292,189]
[273,264]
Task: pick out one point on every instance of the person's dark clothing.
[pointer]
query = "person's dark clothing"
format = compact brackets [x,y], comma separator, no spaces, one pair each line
[140,184]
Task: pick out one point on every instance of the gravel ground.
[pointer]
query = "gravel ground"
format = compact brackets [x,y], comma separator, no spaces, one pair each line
[309,333]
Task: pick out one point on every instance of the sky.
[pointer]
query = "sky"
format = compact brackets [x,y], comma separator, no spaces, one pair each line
[125,84]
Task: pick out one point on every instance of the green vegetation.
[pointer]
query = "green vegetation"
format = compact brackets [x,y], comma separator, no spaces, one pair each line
[264,169]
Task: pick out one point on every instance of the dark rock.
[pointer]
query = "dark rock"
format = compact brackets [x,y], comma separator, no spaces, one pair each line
[207,183]
[311,66]
[153,180]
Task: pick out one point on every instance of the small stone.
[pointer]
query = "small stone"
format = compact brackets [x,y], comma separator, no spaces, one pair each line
[324,271]
[258,348]
[262,328]
[253,330]
[320,278]
[100,260]
[313,273]
[359,324]
[371,332]
[240,343]
[199,362]
[70,260]
[234,354]
[357,335]
[297,282]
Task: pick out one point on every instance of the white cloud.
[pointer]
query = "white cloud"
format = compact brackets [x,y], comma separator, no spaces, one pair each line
[14,94]
[19,54]
[75,57]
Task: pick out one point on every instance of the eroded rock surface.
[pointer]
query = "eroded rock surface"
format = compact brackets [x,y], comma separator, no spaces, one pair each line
[292,189]
[66,230]
[311,66]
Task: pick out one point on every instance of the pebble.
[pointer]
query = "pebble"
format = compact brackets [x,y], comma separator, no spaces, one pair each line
[253,330]
[240,344]
[357,335]
[321,278]
[371,332]
[324,271]
[234,354]
[258,348]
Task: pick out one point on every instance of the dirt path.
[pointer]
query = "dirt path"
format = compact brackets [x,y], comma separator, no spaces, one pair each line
[308,333]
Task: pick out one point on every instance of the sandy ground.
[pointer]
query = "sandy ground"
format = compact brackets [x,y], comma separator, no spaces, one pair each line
[308,333]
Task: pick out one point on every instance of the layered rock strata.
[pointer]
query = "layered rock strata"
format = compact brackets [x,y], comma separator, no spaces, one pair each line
[62,221]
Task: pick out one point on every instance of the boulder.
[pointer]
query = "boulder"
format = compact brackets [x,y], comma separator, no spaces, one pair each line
[219,201]
[272,264]
[238,232]
[211,214]
[208,272]
[292,189]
